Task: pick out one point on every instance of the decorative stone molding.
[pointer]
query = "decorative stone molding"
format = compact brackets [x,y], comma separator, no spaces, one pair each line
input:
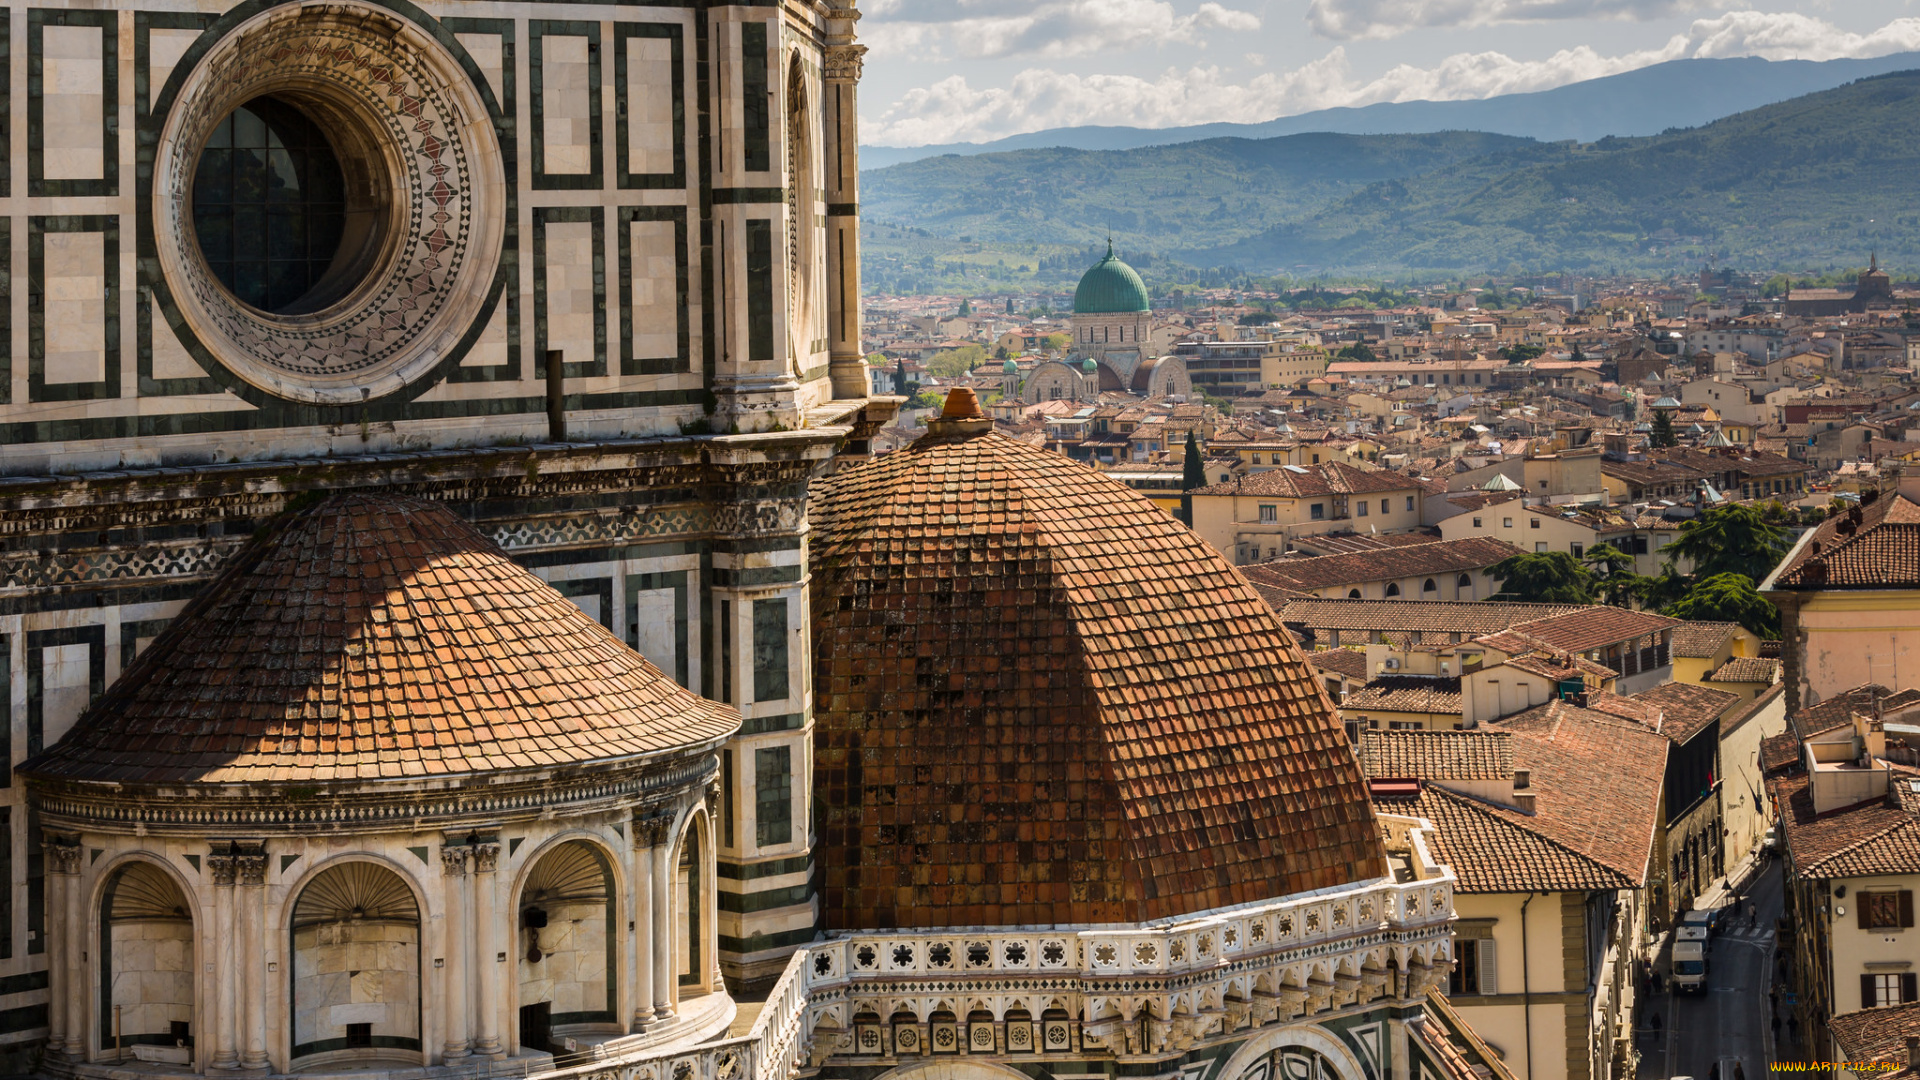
[426,208]
[63,856]
[651,830]
[221,866]
[486,858]
[845,63]
[250,861]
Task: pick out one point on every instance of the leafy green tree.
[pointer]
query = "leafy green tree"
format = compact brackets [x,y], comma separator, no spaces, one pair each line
[1521,353]
[1056,341]
[1730,539]
[956,362]
[1663,435]
[1614,579]
[1355,351]
[1727,598]
[1550,577]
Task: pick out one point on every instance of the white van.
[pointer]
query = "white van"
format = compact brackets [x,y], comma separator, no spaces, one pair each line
[1690,961]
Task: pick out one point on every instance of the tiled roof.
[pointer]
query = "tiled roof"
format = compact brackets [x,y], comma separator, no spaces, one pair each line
[1470,618]
[1837,709]
[1589,628]
[1871,547]
[1438,755]
[1688,707]
[1878,837]
[1341,543]
[1462,1054]
[1496,849]
[1878,1035]
[1699,640]
[1779,751]
[1295,482]
[1040,699]
[377,638]
[1326,571]
[1349,662]
[1747,669]
[1406,693]
[1559,665]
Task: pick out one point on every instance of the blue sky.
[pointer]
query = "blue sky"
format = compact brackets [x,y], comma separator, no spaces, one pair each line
[970,70]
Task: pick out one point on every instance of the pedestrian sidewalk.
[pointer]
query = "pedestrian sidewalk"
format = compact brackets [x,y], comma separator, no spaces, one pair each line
[1722,891]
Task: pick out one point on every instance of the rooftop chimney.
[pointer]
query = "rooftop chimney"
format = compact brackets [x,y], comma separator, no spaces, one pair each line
[1913,1053]
[960,417]
[1524,801]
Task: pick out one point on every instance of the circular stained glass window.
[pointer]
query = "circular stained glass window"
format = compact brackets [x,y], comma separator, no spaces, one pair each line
[269,207]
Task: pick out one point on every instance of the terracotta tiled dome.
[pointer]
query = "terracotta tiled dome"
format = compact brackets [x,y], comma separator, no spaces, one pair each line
[376,638]
[1042,700]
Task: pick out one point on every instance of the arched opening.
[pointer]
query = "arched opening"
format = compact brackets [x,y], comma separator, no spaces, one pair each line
[1353,594]
[356,968]
[1465,582]
[146,967]
[689,918]
[1020,1034]
[1393,588]
[1429,586]
[564,959]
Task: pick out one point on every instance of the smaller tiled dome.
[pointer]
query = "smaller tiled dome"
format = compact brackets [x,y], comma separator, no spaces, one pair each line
[374,638]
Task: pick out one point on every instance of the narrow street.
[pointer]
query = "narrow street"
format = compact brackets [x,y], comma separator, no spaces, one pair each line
[1730,1022]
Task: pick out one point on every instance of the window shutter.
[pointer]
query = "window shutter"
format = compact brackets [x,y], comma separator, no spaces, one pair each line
[1909,991]
[1866,992]
[1860,906]
[1489,972]
[1906,907]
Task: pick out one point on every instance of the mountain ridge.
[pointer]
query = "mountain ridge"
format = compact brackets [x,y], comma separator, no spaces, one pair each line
[1686,93]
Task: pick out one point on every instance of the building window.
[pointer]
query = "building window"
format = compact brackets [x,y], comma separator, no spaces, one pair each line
[1363,508]
[1474,967]
[1393,588]
[1534,523]
[1353,594]
[770,649]
[1540,546]
[1256,459]
[1383,506]
[1405,725]
[1465,582]
[773,796]
[1506,523]
[1885,910]
[1476,523]
[1317,512]
[1316,459]
[1409,503]
[1880,991]
[1269,514]
[1429,586]
[726,798]
[1578,550]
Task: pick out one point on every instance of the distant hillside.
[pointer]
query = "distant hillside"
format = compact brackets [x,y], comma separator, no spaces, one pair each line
[1801,184]
[1680,93]
[1196,195]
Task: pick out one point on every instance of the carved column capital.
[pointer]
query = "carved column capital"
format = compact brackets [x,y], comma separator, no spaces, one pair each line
[63,855]
[252,868]
[453,859]
[845,63]
[651,831]
[486,858]
[222,865]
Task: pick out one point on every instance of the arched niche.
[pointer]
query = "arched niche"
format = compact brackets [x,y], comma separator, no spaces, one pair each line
[356,968]
[694,934]
[565,952]
[146,959]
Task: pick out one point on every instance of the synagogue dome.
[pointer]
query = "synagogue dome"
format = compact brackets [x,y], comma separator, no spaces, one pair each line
[1110,287]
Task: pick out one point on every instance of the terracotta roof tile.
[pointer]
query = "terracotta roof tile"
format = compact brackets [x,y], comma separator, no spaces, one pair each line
[1406,693]
[1747,669]
[1878,837]
[1878,1035]
[1042,700]
[1688,707]
[1438,755]
[1333,478]
[1593,627]
[1698,640]
[1469,618]
[371,638]
[1869,547]
[1436,558]
[1349,662]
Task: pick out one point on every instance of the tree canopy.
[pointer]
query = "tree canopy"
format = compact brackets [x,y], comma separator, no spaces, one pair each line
[1545,577]
[1728,598]
[1730,539]
[1355,351]
[1663,435]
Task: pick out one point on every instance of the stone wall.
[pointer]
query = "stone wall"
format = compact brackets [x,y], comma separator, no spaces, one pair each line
[356,973]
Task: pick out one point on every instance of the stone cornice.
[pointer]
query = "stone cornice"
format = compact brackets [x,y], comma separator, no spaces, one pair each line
[410,806]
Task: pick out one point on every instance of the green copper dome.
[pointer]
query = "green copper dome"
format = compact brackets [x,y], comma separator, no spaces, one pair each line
[1010,368]
[1110,287]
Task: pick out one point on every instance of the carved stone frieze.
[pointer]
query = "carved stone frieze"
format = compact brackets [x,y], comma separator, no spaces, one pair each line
[845,63]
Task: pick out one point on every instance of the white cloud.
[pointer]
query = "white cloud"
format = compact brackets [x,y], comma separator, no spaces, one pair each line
[953,110]
[1056,29]
[1351,19]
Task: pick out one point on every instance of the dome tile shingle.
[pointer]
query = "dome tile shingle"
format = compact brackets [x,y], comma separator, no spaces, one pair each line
[377,638]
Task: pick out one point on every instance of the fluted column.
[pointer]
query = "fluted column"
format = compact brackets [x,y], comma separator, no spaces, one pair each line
[648,834]
[62,866]
[664,921]
[251,901]
[221,865]
[847,366]
[489,971]
[457,947]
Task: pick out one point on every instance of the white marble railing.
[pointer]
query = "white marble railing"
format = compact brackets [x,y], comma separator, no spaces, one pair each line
[1312,951]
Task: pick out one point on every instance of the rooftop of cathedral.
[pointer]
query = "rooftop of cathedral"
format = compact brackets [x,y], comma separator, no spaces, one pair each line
[377,638]
[1044,701]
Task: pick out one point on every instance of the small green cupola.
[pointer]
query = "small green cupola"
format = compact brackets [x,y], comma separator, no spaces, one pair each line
[1110,287]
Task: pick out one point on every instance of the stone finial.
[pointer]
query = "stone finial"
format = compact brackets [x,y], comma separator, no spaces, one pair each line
[960,417]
